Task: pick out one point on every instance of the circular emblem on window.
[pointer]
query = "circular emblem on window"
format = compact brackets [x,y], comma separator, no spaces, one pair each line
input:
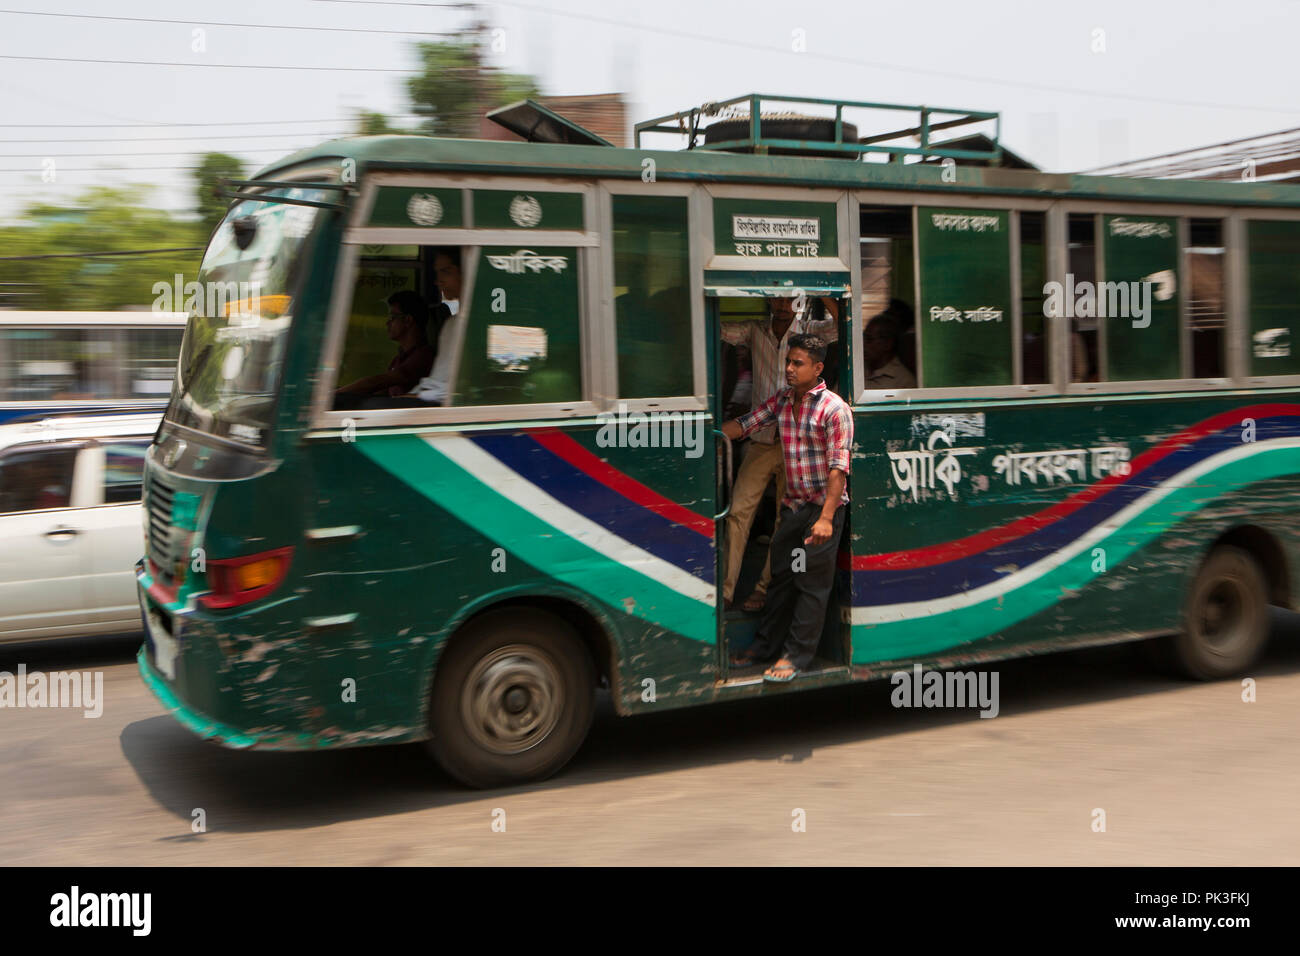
[424,209]
[525,211]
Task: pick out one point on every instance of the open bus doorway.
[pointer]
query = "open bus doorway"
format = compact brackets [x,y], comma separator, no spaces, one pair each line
[750,335]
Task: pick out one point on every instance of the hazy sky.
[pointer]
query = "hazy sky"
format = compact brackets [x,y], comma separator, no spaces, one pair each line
[1077,84]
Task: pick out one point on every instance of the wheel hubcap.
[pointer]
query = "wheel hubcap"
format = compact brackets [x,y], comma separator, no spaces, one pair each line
[1222,613]
[512,699]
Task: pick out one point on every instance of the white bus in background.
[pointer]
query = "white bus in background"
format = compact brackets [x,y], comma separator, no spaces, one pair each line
[86,362]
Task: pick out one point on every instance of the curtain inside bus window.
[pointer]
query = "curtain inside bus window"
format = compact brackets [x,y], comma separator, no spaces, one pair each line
[965,314]
[1138,298]
[521,338]
[1273,256]
[651,296]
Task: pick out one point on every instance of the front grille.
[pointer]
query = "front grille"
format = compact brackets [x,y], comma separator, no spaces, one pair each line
[162,536]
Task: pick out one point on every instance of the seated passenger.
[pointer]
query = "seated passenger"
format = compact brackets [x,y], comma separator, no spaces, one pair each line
[435,387]
[408,316]
[880,352]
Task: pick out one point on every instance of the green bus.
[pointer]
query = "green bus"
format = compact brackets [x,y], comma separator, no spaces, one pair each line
[1097,440]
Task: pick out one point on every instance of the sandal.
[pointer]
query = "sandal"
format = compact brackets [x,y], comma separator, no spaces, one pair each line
[754,603]
[745,659]
[782,672]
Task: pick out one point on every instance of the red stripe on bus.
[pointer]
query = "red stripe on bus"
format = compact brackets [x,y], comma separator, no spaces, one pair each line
[562,446]
[974,544]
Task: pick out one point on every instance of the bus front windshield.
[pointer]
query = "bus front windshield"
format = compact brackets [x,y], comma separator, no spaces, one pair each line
[241,309]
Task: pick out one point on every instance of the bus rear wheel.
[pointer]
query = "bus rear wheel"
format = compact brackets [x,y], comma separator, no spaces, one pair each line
[1225,620]
[513,699]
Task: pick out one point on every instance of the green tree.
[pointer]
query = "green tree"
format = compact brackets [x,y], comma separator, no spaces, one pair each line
[212,167]
[101,219]
[374,123]
[454,87]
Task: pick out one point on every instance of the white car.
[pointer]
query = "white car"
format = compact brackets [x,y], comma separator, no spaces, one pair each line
[71,525]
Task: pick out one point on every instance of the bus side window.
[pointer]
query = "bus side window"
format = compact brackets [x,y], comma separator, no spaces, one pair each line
[1034,363]
[651,296]
[1206,312]
[888,289]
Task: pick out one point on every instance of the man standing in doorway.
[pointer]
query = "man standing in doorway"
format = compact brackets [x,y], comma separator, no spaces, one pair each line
[768,342]
[816,432]
[436,388]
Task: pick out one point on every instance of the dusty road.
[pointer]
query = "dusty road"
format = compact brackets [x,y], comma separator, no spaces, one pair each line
[1186,774]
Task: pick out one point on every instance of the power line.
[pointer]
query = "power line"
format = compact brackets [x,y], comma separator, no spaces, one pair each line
[98,169]
[155,152]
[224,66]
[89,255]
[206,137]
[220,23]
[332,119]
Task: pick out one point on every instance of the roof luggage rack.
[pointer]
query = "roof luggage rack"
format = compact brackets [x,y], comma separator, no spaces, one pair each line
[751,130]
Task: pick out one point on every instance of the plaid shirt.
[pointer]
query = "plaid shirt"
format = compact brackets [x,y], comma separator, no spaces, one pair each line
[767,355]
[812,445]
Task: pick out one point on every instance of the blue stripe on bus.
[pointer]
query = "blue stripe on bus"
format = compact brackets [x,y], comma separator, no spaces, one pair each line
[632,522]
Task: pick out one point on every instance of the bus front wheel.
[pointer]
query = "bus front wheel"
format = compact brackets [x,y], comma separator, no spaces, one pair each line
[1225,621]
[512,700]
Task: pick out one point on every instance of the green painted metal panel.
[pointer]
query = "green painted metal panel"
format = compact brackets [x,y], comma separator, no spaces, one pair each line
[1273,284]
[521,339]
[520,209]
[1140,297]
[417,207]
[965,312]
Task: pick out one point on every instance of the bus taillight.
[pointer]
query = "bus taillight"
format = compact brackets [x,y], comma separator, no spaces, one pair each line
[238,581]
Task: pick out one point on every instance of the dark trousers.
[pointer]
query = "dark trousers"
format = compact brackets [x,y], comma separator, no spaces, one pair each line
[802,578]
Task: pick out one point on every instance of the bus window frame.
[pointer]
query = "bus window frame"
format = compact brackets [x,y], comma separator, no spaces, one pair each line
[1236,315]
[1013,205]
[469,240]
[699,232]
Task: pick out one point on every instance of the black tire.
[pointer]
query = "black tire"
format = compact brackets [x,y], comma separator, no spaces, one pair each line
[1225,619]
[513,699]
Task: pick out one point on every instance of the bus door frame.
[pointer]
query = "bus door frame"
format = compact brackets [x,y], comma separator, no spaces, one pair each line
[784,285]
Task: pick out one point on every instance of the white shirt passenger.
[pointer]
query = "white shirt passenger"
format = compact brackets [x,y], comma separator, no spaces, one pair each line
[437,385]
